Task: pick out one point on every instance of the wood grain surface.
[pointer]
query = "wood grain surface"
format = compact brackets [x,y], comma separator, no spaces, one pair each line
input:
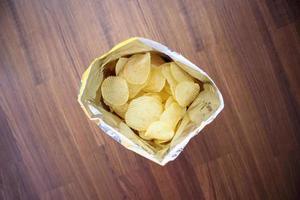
[50,150]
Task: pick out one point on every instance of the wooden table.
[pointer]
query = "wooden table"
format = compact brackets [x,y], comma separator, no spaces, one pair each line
[50,150]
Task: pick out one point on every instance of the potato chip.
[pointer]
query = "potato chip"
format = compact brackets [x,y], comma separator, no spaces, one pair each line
[172,114]
[179,74]
[114,90]
[159,130]
[120,65]
[166,71]
[137,68]
[208,103]
[169,101]
[156,60]
[142,111]
[155,95]
[156,80]
[134,89]
[186,92]
[120,110]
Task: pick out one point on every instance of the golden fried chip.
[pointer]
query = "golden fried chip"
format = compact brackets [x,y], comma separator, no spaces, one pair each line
[159,130]
[142,111]
[156,80]
[120,65]
[155,95]
[137,68]
[166,71]
[186,92]
[134,89]
[172,114]
[114,90]
[179,74]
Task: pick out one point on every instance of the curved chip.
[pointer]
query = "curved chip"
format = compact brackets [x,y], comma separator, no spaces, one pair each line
[155,95]
[172,114]
[186,92]
[159,130]
[120,65]
[179,74]
[142,111]
[134,89]
[114,90]
[156,80]
[120,110]
[166,71]
[137,68]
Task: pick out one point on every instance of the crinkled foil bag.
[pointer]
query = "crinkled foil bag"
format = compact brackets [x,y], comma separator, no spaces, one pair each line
[90,100]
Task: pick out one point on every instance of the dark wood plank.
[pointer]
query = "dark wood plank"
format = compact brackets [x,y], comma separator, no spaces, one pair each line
[50,150]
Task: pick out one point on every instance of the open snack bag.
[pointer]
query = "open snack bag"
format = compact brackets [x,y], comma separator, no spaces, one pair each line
[148,98]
